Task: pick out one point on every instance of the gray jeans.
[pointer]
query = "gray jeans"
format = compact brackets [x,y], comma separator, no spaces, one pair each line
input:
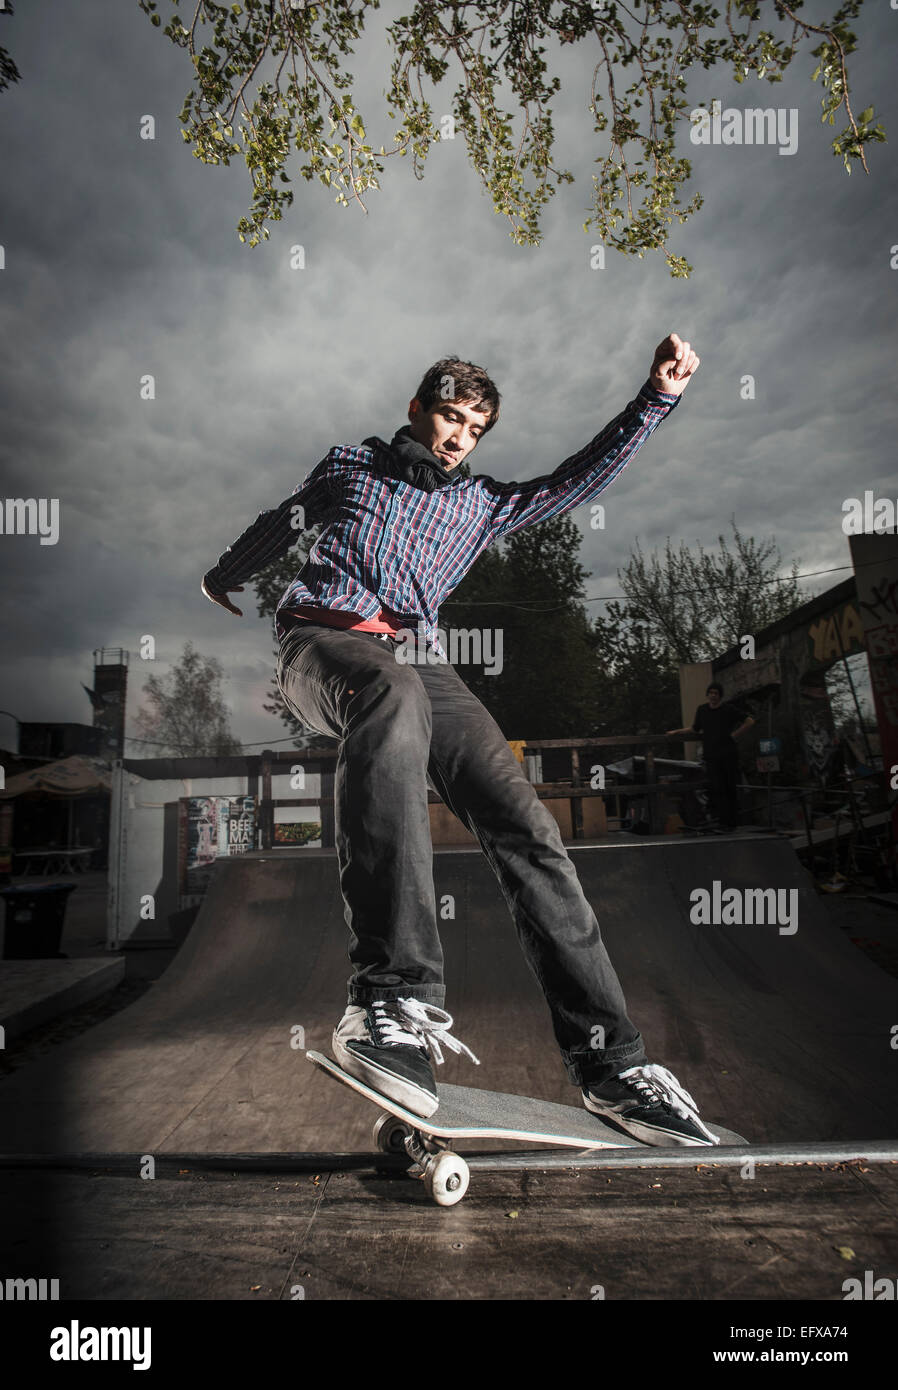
[396,724]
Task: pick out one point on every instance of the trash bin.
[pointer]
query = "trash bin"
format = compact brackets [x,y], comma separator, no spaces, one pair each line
[35,913]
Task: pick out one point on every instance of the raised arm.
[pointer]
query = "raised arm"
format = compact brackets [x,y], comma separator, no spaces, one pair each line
[587,473]
[270,536]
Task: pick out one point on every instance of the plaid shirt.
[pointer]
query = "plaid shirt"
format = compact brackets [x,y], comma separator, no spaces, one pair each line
[387,544]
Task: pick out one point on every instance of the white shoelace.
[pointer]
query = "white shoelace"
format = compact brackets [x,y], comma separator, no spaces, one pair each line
[664,1086]
[418,1022]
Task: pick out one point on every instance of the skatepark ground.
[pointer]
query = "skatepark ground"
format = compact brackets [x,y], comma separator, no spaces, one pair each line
[264,1180]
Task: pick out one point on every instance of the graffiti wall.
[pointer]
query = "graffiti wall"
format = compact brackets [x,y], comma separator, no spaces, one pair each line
[875,560]
[785,684]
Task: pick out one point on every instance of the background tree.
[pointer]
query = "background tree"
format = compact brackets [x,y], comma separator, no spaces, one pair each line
[637,681]
[695,604]
[8,70]
[498,54]
[844,700]
[187,715]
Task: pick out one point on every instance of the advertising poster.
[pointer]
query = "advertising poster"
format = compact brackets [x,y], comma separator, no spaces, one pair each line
[211,828]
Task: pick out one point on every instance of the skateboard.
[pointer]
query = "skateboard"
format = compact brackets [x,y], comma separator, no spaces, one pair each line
[468,1113]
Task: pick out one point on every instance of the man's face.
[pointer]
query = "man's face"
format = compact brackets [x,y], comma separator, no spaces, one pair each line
[449,429]
[713,698]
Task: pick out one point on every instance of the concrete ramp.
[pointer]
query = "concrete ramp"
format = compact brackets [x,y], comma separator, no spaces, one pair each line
[783,1037]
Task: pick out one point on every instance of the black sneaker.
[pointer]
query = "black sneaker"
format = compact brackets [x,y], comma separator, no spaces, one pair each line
[649,1103]
[387,1044]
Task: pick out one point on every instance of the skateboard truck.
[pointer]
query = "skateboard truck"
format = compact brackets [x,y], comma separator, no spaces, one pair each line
[444,1173]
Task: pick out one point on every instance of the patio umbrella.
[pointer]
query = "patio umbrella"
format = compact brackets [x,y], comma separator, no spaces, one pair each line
[75,776]
[68,777]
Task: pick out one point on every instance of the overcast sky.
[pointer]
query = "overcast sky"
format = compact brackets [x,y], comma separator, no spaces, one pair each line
[122,260]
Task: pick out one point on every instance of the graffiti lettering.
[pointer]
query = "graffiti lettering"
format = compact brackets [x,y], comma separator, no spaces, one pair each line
[882,641]
[885,599]
[826,636]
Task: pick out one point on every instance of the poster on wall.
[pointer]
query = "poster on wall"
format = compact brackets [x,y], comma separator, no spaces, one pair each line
[210,828]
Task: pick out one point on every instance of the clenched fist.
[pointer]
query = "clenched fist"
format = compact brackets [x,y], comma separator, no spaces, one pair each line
[674,364]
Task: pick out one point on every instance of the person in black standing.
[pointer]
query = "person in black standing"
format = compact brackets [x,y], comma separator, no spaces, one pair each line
[718,726]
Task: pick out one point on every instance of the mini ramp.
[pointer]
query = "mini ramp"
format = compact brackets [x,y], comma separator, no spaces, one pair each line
[783,1038]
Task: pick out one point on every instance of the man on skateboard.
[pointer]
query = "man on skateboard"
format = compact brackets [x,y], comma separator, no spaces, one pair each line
[400,528]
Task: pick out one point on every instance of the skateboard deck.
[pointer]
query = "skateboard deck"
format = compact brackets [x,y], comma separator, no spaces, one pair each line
[469,1113]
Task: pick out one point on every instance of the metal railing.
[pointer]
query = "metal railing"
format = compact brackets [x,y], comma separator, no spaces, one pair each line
[575,790]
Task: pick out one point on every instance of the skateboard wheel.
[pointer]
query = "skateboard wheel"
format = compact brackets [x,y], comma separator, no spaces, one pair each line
[390,1133]
[446,1179]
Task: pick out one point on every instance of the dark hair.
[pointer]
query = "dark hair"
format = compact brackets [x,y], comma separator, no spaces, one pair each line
[715,685]
[468,383]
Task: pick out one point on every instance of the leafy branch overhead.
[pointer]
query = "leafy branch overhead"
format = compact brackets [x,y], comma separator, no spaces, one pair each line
[8,70]
[275,72]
